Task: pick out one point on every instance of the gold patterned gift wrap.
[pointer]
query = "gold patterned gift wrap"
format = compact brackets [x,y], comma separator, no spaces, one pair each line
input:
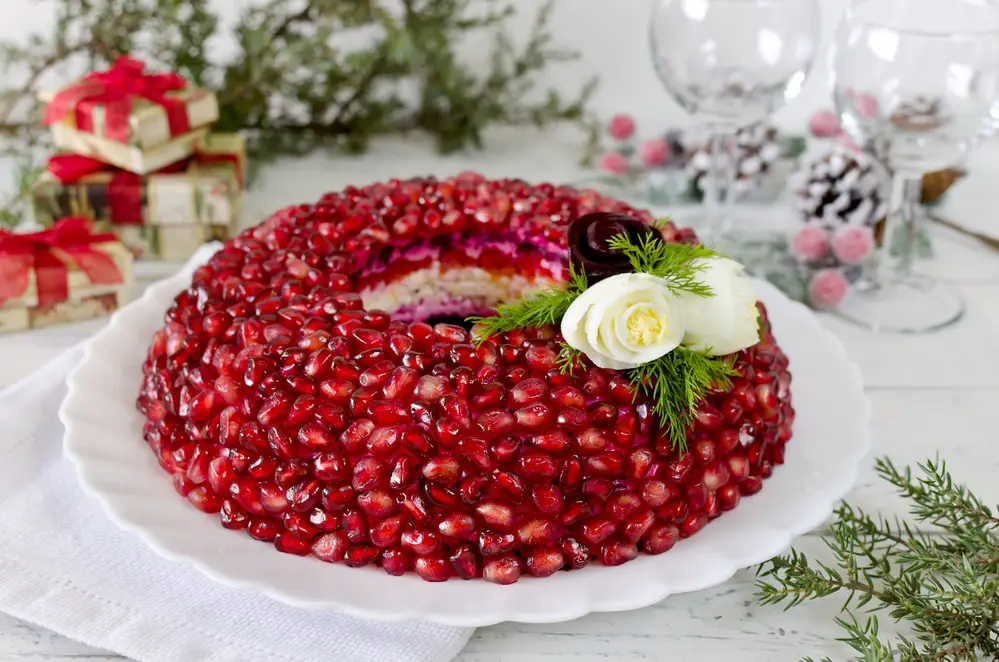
[164,216]
[65,274]
[128,118]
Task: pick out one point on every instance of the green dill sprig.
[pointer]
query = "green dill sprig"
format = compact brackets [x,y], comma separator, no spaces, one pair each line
[676,264]
[677,383]
[940,581]
[569,359]
[546,308]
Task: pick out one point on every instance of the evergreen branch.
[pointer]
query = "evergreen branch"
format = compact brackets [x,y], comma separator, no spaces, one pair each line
[943,588]
[294,84]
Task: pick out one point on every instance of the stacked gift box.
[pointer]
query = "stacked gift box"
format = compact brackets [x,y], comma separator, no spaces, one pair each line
[137,156]
[66,273]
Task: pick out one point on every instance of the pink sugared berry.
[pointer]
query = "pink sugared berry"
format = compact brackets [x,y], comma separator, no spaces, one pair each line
[810,243]
[614,163]
[828,288]
[655,152]
[621,127]
[852,244]
[824,124]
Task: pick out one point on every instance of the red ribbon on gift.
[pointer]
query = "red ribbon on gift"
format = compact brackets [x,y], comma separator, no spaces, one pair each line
[124,191]
[116,90]
[49,254]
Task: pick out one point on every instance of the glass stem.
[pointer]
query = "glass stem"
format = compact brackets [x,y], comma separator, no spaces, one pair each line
[904,236]
[720,183]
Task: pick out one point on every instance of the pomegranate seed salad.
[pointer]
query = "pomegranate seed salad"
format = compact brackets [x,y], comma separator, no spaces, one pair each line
[467,379]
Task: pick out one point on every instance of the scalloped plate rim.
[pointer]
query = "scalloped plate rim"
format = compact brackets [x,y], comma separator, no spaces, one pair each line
[159,296]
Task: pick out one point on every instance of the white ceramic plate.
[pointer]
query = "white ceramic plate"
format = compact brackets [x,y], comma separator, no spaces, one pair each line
[104,440]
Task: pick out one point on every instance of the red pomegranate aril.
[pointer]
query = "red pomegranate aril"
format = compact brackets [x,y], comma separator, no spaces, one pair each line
[704,451]
[496,422]
[571,475]
[368,474]
[504,569]
[396,561]
[355,526]
[202,498]
[592,440]
[660,539]
[494,542]
[576,554]
[331,467]
[529,391]
[677,470]
[457,526]
[360,556]
[442,469]
[386,532]
[605,464]
[728,497]
[421,541]
[262,468]
[290,472]
[544,562]
[692,524]
[655,493]
[415,508]
[596,530]
[537,532]
[252,437]
[232,515]
[290,544]
[323,521]
[617,552]
[434,568]
[575,512]
[376,503]
[244,490]
[674,511]
[220,475]
[621,505]
[273,499]
[331,547]
[356,435]
[464,562]
[471,489]
[533,417]
[537,467]
[262,529]
[496,515]
[547,499]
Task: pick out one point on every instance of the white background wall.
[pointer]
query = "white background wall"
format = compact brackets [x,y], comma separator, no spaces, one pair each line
[611,35]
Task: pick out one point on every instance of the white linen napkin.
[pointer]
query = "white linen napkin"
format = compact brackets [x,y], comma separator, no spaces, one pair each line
[66,567]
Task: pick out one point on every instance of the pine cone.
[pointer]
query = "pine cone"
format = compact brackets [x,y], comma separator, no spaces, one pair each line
[757,148]
[843,187]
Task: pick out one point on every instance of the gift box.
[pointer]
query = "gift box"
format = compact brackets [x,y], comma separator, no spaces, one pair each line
[165,215]
[67,273]
[128,118]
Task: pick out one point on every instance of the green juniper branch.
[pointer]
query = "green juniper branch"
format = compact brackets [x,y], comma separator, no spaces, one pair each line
[295,82]
[943,587]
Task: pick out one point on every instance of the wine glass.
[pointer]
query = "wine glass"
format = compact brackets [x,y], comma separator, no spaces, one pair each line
[731,64]
[916,83]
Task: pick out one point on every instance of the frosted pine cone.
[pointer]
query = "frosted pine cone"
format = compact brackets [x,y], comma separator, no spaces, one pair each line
[843,187]
[757,148]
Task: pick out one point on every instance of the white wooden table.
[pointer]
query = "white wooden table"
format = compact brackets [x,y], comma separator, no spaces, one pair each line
[933,393]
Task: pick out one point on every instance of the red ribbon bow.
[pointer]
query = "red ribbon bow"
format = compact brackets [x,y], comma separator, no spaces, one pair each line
[48,253]
[116,90]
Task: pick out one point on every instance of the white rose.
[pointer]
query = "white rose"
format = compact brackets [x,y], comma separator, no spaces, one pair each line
[625,321]
[728,321]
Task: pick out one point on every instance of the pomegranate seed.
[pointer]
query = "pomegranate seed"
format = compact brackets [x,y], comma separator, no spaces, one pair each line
[694,523]
[433,568]
[576,554]
[457,526]
[537,532]
[204,499]
[597,530]
[289,544]
[262,529]
[505,569]
[465,562]
[360,556]
[544,562]
[397,561]
[331,547]
[232,515]
[496,515]
[660,539]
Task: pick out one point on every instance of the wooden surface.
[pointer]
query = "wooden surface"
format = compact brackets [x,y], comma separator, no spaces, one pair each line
[932,393]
